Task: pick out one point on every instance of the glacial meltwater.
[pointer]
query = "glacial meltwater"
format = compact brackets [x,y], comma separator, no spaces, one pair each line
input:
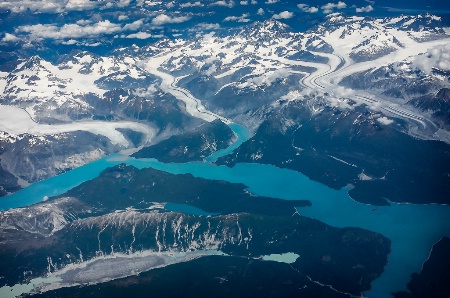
[413,229]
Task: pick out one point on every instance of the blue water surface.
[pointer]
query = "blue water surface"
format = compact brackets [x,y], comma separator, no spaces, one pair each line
[413,229]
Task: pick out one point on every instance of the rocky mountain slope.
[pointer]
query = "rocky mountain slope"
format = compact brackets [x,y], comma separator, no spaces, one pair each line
[355,147]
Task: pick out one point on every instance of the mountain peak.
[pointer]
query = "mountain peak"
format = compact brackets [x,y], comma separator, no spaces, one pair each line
[270,28]
[32,63]
[271,25]
[415,23]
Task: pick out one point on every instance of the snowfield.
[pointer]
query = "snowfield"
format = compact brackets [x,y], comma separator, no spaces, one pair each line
[412,48]
[265,52]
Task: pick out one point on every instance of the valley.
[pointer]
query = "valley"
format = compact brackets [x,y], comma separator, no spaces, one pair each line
[196,147]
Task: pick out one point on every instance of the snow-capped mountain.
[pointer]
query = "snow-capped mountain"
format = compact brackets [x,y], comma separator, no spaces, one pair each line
[232,74]
[256,57]
[363,38]
[420,81]
[57,91]
[420,27]
[54,107]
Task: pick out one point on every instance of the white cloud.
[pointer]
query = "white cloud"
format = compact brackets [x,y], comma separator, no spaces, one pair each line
[292,95]
[340,103]
[212,69]
[33,5]
[70,42]
[283,15]
[143,92]
[385,120]
[307,8]
[191,4]
[328,8]
[243,2]
[165,19]
[205,26]
[10,38]
[260,11]
[122,17]
[123,3]
[343,92]
[84,22]
[58,6]
[76,30]
[312,9]
[254,2]
[69,30]
[95,44]
[107,5]
[340,5]
[139,35]
[133,26]
[272,1]
[229,4]
[338,97]
[80,5]
[376,106]
[206,38]
[241,19]
[436,57]
[368,8]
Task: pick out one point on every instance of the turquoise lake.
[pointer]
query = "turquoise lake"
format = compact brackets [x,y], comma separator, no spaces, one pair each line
[413,229]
